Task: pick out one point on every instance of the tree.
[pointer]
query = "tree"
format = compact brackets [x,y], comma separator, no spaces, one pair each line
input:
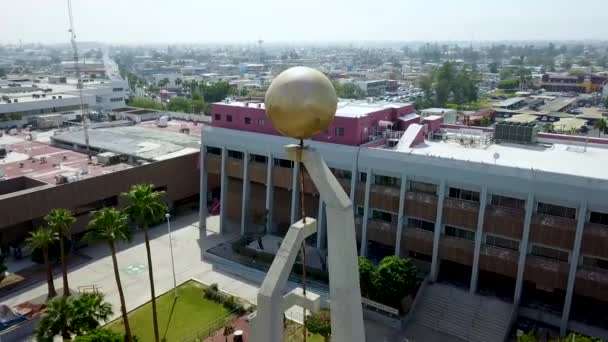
[493,67]
[508,84]
[548,128]
[178,81]
[42,239]
[395,278]
[60,220]
[110,225]
[601,126]
[69,316]
[320,323]
[215,92]
[100,335]
[143,102]
[367,274]
[146,207]
[163,82]
[348,90]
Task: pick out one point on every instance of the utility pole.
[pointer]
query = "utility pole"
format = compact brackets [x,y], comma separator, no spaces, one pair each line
[78,81]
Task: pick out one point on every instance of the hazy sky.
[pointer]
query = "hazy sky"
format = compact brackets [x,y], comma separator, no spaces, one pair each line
[190,21]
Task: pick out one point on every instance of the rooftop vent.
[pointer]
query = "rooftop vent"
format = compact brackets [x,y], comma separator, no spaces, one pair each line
[515,132]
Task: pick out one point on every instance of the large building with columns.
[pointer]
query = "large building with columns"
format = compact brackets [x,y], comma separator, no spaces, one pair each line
[524,222]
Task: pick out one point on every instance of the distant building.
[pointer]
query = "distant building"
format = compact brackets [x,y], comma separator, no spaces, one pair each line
[449,115]
[373,88]
[512,103]
[567,83]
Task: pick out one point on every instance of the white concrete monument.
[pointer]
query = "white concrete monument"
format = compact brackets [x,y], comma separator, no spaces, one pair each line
[302,102]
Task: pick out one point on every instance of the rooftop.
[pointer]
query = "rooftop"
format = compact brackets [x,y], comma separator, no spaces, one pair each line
[555,158]
[140,141]
[509,102]
[437,110]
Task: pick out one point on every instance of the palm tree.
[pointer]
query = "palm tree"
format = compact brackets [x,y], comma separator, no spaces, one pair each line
[55,322]
[59,220]
[68,316]
[146,207]
[42,239]
[111,225]
[601,126]
[87,311]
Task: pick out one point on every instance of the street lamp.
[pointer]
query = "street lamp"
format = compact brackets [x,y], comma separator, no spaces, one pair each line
[168,217]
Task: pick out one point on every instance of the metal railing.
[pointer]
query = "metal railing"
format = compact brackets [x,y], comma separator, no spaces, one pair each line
[212,327]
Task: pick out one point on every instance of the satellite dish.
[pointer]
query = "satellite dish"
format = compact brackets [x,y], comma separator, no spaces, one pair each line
[496,156]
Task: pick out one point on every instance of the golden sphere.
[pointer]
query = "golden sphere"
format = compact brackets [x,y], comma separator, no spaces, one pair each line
[301,102]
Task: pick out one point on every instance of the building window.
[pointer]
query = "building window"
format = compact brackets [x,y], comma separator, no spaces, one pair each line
[261,122]
[116,99]
[420,256]
[235,154]
[214,150]
[556,210]
[459,233]
[423,187]
[247,121]
[258,158]
[362,177]
[117,89]
[421,224]
[381,215]
[218,117]
[339,131]
[387,181]
[339,173]
[595,262]
[509,202]
[360,211]
[229,118]
[497,241]
[599,218]
[550,253]
[283,163]
[462,194]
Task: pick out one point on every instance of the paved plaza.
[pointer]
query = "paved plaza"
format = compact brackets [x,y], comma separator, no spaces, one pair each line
[188,247]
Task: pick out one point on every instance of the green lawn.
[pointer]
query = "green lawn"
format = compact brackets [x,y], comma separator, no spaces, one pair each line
[176,319]
[293,333]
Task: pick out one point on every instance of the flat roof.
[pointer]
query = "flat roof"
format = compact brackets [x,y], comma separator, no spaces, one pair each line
[509,102]
[557,158]
[137,141]
[558,104]
[437,110]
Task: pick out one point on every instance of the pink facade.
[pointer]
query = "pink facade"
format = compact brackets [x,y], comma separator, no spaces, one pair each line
[434,123]
[346,129]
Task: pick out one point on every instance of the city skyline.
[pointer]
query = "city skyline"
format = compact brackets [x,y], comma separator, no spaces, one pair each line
[182,21]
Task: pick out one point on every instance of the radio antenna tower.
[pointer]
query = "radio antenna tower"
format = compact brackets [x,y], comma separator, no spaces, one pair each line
[83,109]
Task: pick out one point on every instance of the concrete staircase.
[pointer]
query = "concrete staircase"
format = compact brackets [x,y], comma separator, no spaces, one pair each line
[456,312]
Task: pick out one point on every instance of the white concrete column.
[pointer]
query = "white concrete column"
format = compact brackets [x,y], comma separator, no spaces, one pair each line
[523,249]
[295,192]
[401,219]
[202,201]
[576,250]
[483,203]
[437,232]
[321,228]
[269,193]
[245,193]
[368,185]
[223,191]
[353,186]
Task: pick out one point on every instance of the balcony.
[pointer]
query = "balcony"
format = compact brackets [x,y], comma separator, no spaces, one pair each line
[234,168]
[461,213]
[213,163]
[456,250]
[421,205]
[257,172]
[595,240]
[546,273]
[417,240]
[553,231]
[382,232]
[592,282]
[508,222]
[498,260]
[384,197]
